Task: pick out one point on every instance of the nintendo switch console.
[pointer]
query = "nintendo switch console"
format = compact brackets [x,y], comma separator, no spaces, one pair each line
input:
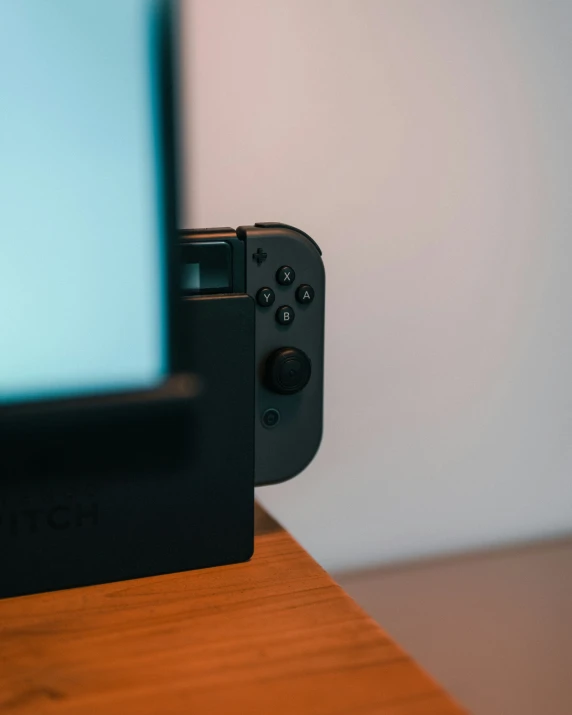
[153,483]
[273,276]
[135,421]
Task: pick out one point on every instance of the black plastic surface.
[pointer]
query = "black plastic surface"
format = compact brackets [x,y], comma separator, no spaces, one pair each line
[93,501]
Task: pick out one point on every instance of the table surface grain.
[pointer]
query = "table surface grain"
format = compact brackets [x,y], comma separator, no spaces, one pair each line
[272,636]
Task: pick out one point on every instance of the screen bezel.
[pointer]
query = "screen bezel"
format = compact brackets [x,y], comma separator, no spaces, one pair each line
[168,67]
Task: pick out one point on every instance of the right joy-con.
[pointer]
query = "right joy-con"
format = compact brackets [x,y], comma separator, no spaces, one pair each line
[285,276]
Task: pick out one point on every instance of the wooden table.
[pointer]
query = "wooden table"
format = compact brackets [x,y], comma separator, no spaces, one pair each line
[272,636]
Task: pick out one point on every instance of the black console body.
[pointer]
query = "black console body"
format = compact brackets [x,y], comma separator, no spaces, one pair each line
[126,496]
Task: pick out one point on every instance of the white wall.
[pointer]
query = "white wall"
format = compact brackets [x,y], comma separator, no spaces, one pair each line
[427,147]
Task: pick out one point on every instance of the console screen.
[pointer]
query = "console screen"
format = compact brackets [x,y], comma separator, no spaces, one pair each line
[83,275]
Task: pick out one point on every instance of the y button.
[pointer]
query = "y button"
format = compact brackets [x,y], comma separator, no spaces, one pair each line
[265,297]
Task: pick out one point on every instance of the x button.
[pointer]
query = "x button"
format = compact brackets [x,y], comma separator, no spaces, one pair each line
[285,276]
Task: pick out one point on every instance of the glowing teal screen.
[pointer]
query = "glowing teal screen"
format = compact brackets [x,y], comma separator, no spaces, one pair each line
[83,305]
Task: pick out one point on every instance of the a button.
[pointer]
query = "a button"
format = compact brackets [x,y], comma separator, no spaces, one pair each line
[287,371]
[270,417]
[285,276]
[265,297]
[285,315]
[305,294]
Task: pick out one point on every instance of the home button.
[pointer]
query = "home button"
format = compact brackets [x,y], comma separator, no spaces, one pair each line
[270,417]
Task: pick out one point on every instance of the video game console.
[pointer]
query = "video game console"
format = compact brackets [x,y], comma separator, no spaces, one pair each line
[119,488]
[281,271]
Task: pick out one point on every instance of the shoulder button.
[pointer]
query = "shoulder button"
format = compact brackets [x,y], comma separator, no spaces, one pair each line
[277,224]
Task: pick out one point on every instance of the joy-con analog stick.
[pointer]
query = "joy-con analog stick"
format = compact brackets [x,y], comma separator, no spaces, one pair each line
[288,371]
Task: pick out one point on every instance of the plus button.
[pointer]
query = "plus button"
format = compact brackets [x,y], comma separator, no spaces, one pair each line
[259,256]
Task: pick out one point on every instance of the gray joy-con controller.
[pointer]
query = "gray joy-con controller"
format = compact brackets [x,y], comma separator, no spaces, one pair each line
[285,276]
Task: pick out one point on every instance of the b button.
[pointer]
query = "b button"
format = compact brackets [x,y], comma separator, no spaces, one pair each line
[285,315]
